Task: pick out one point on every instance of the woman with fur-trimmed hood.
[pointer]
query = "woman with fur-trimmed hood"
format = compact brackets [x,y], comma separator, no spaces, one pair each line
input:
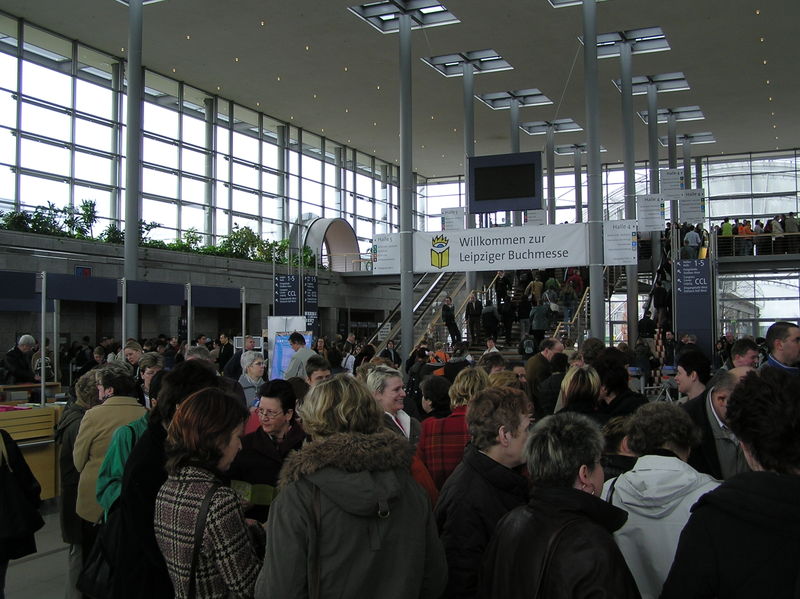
[350,521]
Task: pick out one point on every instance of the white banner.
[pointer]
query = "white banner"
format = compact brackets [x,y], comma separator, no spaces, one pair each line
[386,257]
[692,206]
[650,212]
[501,248]
[453,219]
[620,245]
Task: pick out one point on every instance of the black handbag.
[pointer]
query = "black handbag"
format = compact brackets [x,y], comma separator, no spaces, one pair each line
[96,577]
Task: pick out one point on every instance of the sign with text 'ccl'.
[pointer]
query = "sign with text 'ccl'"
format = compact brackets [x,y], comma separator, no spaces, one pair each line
[501,248]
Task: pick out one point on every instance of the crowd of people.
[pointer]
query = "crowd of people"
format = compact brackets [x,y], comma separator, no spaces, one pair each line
[547,478]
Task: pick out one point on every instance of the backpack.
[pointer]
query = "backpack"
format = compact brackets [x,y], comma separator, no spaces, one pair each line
[529,347]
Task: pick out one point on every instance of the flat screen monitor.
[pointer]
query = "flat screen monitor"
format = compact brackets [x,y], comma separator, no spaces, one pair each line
[503,182]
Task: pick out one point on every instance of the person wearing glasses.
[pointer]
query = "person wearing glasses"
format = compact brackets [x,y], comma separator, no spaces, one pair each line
[253,366]
[255,470]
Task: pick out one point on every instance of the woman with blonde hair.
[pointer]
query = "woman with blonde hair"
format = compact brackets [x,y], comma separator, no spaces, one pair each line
[580,391]
[349,518]
[442,441]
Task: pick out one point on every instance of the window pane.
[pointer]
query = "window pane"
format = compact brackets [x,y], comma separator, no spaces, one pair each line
[38,192]
[245,175]
[193,218]
[94,135]
[221,222]
[159,183]
[160,120]
[273,206]
[162,213]
[48,123]
[102,199]
[8,70]
[269,182]
[46,84]
[245,202]
[8,147]
[193,190]
[94,100]
[159,153]
[44,157]
[93,168]
[7,188]
[194,131]
[312,193]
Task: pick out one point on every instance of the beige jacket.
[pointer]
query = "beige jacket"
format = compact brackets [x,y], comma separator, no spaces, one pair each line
[94,437]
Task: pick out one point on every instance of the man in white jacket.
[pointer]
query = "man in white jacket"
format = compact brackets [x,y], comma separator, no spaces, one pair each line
[658,493]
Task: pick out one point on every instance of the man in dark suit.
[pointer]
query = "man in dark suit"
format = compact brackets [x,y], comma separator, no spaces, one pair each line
[719,453]
[473,313]
[390,353]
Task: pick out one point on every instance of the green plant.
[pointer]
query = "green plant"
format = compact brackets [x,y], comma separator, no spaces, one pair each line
[241,242]
[112,234]
[16,220]
[47,220]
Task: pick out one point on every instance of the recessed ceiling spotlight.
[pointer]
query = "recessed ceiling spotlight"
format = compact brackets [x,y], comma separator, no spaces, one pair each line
[758,11]
[455,130]
[308,48]
[258,103]
[188,37]
[762,39]
[322,130]
[770,98]
[767,81]
[374,124]
[378,87]
[423,146]
[173,70]
[345,69]
[236,59]
[263,23]
[279,77]
[765,62]
[122,49]
[219,87]
[773,114]
[291,117]
[347,110]
[315,96]
[432,117]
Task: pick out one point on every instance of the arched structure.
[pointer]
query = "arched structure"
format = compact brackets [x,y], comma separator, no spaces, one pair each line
[333,237]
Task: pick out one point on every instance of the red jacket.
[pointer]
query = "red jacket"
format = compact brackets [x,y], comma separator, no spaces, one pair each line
[442,442]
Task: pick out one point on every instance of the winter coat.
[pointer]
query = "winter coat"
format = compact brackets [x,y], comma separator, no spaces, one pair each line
[742,541]
[376,536]
[584,561]
[19,369]
[658,494]
[109,479]
[442,442]
[260,460]
[478,493]
[228,563]
[17,472]
[66,433]
[94,437]
[622,405]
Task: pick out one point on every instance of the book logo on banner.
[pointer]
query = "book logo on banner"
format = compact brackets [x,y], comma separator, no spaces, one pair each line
[440,252]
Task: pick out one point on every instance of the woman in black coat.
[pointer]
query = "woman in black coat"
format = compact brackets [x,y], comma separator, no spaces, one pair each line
[19,519]
[560,544]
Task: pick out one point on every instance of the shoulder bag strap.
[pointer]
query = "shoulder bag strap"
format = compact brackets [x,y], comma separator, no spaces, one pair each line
[314,574]
[199,528]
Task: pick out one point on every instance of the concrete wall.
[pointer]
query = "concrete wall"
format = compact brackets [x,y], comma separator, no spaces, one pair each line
[36,253]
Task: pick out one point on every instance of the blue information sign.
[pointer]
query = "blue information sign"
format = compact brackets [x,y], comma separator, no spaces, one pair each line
[287,295]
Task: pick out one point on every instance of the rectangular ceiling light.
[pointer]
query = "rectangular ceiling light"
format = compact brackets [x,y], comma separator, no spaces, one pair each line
[384,15]
[668,82]
[482,61]
[642,41]
[694,138]
[144,2]
[564,3]
[525,97]
[569,149]
[559,126]
[684,113]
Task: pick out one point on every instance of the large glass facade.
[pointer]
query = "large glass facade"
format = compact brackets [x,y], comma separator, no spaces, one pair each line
[209,164]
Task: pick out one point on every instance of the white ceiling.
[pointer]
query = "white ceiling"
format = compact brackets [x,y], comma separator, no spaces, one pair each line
[318,47]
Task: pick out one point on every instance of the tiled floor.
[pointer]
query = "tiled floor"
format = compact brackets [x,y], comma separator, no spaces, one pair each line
[42,575]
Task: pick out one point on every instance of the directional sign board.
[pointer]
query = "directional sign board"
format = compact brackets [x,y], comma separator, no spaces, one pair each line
[694,307]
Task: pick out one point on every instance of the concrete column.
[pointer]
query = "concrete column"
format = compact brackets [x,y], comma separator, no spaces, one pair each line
[577,159]
[550,155]
[687,162]
[514,135]
[672,152]
[629,168]
[652,130]
[595,188]
[210,107]
[406,248]
[133,164]
[469,144]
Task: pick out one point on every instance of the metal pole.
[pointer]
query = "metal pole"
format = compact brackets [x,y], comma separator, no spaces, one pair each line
[550,151]
[576,157]
[629,162]
[514,115]
[595,187]
[133,165]
[652,130]
[244,311]
[406,248]
[469,146]
[672,152]
[687,162]
[124,330]
[208,216]
[56,329]
[189,314]
[42,345]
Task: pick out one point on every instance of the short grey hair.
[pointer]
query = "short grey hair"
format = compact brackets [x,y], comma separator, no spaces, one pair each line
[26,340]
[249,357]
[197,352]
[559,445]
[376,379]
[724,380]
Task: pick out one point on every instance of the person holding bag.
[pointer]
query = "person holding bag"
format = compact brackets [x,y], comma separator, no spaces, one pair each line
[210,550]
[19,500]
